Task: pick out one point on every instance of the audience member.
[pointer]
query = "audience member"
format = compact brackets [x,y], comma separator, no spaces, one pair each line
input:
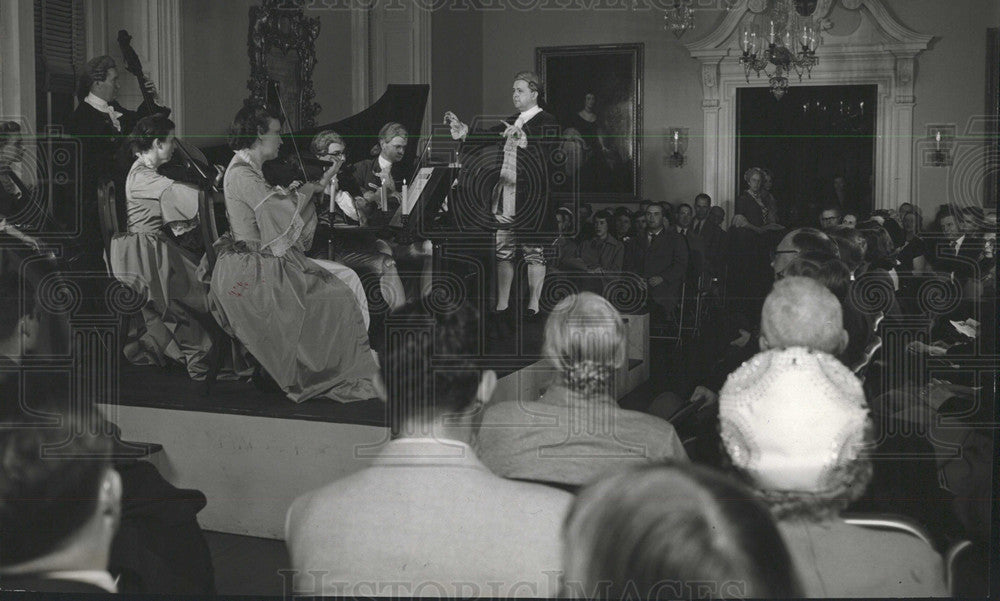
[639,221]
[912,255]
[565,244]
[849,220]
[695,245]
[752,236]
[576,430]
[802,312]
[427,518]
[60,506]
[836,277]
[878,271]
[961,250]
[603,254]
[838,194]
[659,256]
[712,235]
[586,213]
[829,217]
[795,423]
[673,531]
[717,215]
[623,225]
[159,547]
[804,239]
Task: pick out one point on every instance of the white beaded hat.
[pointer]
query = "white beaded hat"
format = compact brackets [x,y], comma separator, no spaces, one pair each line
[789,417]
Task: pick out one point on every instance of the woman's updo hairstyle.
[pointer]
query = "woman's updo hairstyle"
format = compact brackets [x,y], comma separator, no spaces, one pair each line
[250,123]
[585,341]
[153,127]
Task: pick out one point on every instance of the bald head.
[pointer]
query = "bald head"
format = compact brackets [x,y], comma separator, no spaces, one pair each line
[802,312]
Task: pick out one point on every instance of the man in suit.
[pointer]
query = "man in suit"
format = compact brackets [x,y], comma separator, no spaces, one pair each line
[158,546]
[102,127]
[521,206]
[660,257]
[697,261]
[964,253]
[58,512]
[712,235]
[428,518]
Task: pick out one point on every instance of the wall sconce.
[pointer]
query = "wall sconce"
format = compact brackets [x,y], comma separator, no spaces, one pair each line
[676,144]
[939,145]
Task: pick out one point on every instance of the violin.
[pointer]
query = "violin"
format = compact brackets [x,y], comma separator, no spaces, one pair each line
[293,165]
[191,166]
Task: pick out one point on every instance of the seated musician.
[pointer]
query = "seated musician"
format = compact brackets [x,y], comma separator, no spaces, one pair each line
[364,253]
[379,177]
[151,263]
[13,192]
[305,320]
[380,184]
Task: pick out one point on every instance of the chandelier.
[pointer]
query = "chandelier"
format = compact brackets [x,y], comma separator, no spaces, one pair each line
[779,40]
[680,18]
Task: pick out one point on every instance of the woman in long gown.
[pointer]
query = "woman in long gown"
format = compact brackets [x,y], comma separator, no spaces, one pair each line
[304,320]
[176,315]
[754,233]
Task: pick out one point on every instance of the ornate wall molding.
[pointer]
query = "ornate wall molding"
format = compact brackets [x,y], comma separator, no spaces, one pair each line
[276,26]
[880,52]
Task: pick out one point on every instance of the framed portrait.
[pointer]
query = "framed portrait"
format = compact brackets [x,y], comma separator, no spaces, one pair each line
[596,93]
[282,48]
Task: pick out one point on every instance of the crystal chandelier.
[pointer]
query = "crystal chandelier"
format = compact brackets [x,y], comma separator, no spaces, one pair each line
[680,18]
[779,40]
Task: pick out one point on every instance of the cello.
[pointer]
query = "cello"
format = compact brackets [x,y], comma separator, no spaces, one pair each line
[194,167]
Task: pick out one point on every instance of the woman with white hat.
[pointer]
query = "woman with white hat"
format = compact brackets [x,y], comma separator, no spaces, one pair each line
[796,424]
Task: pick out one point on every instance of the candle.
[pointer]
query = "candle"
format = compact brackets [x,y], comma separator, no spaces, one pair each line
[405,197]
[937,140]
[677,139]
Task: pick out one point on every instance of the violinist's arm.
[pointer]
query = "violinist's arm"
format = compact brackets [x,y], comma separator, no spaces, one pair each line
[307,190]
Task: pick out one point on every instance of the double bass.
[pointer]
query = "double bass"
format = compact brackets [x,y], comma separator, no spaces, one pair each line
[191,166]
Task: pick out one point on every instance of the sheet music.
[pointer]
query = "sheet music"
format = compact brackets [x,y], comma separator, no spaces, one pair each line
[416,188]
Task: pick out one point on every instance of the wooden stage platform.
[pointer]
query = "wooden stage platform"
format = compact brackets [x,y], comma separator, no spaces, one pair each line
[253,453]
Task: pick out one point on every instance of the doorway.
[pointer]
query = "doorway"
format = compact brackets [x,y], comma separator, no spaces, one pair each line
[811,136]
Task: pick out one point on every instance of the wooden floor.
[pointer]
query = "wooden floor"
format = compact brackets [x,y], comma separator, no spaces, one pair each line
[504,350]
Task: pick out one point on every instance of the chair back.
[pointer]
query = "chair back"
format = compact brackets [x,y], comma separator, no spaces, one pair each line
[965,566]
[107,201]
[888,521]
[873,347]
[207,227]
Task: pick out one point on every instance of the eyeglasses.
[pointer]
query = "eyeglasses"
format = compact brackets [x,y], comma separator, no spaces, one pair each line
[338,154]
[775,253]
